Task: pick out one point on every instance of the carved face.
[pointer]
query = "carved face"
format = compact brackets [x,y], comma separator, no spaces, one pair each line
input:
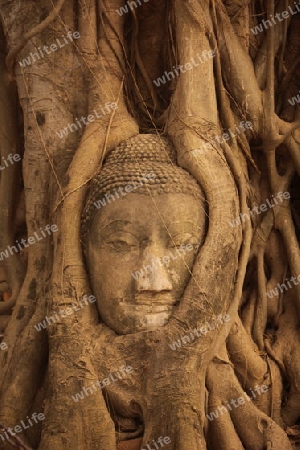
[140,256]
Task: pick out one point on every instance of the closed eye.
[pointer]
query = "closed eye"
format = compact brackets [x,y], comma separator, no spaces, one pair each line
[183,239]
[119,245]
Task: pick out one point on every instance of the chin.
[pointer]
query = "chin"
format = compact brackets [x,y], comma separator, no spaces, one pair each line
[140,321]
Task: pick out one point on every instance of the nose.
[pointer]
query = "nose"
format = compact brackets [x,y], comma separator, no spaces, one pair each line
[153,273]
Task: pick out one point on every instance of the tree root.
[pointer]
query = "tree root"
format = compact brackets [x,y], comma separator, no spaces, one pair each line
[10,59]
[255,429]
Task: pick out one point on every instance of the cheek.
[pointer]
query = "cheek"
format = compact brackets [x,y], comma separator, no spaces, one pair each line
[180,270]
[111,275]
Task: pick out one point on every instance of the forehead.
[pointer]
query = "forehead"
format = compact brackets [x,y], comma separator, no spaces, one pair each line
[176,212]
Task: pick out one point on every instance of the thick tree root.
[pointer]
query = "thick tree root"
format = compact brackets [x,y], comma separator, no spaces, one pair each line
[255,430]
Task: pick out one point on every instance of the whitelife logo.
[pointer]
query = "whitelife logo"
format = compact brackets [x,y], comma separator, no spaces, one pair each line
[33,57]
[236,402]
[11,158]
[161,441]
[274,292]
[183,68]
[19,428]
[210,326]
[294,100]
[31,240]
[64,312]
[129,188]
[86,391]
[265,24]
[124,9]
[216,140]
[263,208]
[3,346]
[85,120]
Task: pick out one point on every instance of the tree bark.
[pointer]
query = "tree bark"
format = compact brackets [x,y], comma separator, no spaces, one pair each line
[250,78]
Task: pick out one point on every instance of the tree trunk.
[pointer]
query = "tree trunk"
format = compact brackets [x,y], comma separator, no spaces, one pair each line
[220,79]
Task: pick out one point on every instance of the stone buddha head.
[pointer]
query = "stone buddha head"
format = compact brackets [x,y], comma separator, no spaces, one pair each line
[143,223]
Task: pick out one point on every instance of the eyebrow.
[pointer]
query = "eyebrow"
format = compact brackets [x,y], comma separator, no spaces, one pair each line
[115,224]
[195,226]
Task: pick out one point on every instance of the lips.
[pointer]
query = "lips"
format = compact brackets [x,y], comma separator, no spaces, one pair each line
[159,302]
[156,309]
